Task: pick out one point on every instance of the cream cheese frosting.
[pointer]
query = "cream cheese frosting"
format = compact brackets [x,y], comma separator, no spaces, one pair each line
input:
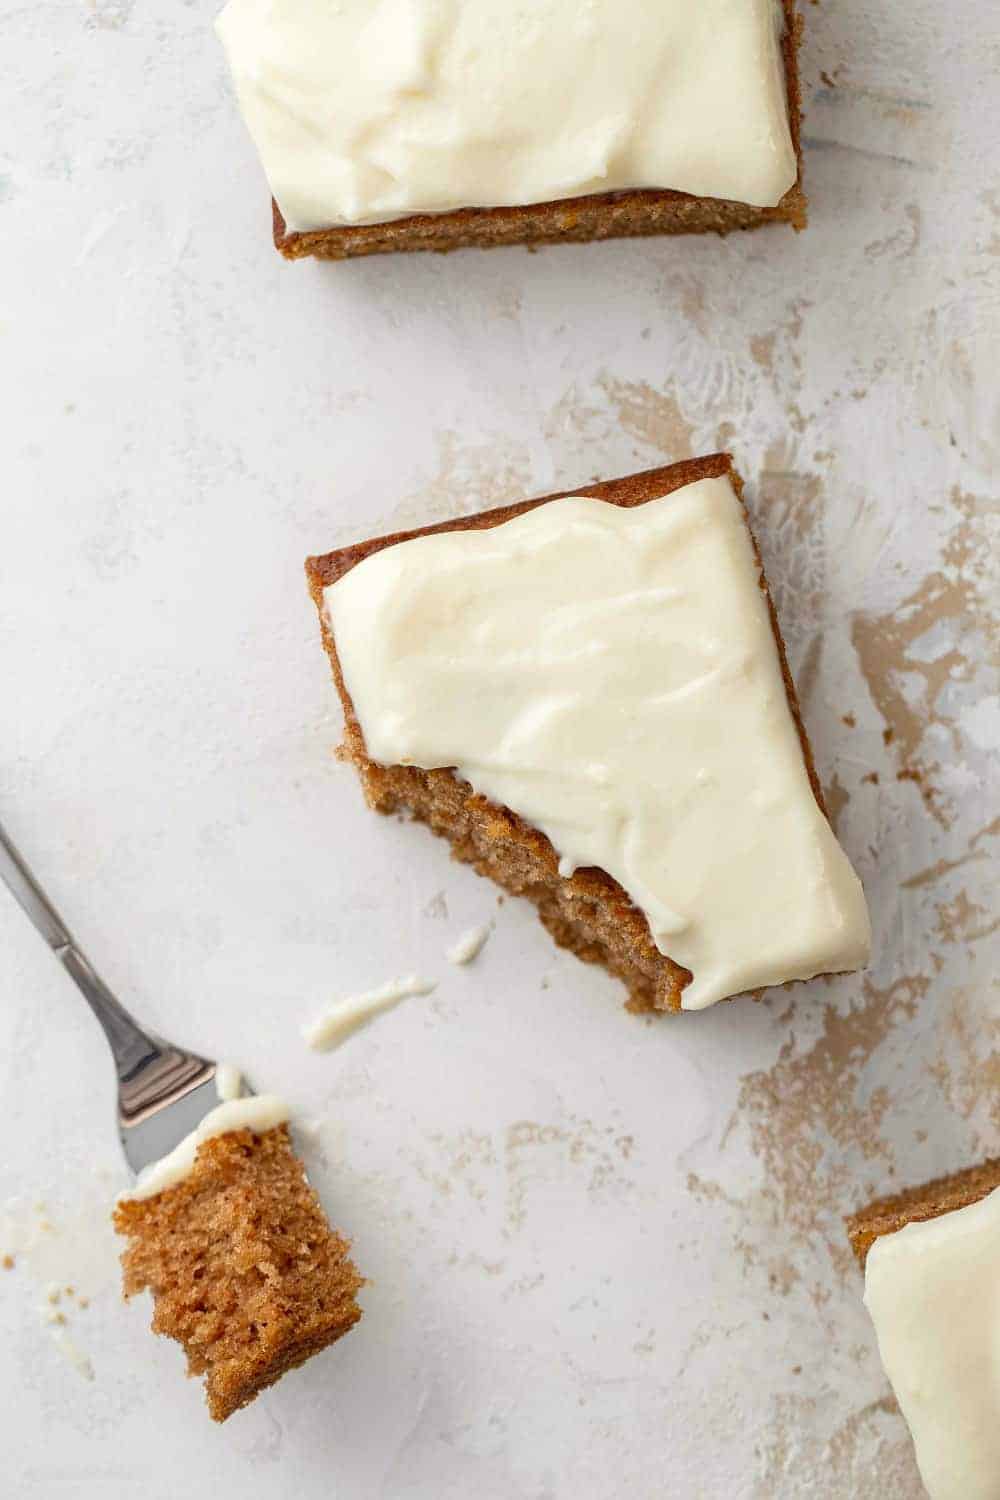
[228,1081]
[364,111]
[468,945]
[933,1292]
[611,675]
[257,1112]
[349,1015]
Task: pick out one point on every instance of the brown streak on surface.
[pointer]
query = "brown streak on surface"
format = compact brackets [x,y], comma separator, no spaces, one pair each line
[654,417]
[942,867]
[806,1098]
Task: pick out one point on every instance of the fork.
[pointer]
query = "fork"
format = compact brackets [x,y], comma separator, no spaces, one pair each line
[163,1091]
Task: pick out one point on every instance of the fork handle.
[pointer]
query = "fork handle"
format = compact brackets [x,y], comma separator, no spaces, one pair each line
[130,1044]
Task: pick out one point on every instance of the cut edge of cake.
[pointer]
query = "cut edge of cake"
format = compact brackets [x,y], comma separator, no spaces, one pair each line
[588,912]
[600,216]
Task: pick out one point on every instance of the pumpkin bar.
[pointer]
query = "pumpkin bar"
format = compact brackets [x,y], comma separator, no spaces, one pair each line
[587,695]
[408,125]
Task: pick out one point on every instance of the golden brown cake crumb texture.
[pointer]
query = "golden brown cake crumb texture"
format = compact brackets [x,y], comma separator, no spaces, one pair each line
[600,216]
[245,1271]
[588,912]
[917,1204]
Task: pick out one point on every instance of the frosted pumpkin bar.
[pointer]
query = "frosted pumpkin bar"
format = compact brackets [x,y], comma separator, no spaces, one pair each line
[931,1257]
[432,124]
[232,1242]
[587,695]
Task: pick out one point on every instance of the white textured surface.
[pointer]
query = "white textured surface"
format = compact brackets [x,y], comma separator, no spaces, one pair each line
[605,1254]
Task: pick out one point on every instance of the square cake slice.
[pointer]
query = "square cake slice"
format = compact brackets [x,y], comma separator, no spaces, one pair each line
[245,1271]
[389,125]
[931,1257]
[588,696]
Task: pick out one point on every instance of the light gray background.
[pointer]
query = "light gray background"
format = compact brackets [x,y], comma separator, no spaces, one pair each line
[605,1254]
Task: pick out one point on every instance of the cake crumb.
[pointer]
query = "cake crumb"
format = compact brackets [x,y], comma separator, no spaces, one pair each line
[348,1016]
[52,1294]
[469,946]
[8,1262]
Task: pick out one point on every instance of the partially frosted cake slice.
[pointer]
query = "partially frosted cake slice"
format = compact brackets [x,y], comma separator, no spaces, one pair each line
[587,696]
[931,1257]
[232,1242]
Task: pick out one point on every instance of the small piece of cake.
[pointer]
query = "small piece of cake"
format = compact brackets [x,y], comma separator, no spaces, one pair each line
[420,125]
[931,1258]
[587,695]
[245,1271]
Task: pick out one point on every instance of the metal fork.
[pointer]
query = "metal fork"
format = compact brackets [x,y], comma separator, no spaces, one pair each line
[163,1091]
